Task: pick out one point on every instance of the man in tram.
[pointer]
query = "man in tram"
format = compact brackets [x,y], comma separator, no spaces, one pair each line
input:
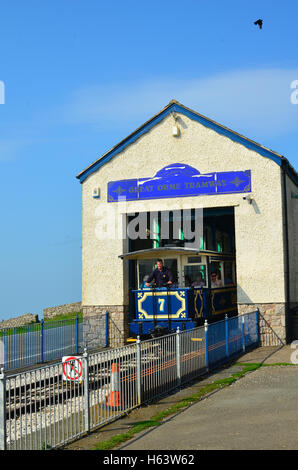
[198,282]
[215,279]
[162,276]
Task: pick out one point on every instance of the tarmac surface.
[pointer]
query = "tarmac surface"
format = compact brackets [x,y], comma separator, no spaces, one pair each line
[258,411]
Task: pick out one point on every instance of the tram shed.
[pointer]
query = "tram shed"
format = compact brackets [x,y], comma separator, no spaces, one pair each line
[175,169]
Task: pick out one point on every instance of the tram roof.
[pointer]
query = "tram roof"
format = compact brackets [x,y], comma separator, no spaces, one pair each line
[150,253]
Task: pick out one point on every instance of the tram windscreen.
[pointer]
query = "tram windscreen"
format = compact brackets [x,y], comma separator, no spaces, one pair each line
[171,264]
[195,276]
[146,267]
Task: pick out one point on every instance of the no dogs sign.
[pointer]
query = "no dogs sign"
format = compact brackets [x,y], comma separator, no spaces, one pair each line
[72,368]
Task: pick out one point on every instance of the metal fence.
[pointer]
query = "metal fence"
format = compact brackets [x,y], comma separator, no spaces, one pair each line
[52,405]
[39,342]
[42,342]
[268,335]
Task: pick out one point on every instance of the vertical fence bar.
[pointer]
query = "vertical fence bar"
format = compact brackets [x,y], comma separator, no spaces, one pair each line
[227,335]
[243,333]
[257,326]
[107,330]
[41,341]
[206,345]
[77,334]
[86,390]
[2,410]
[178,357]
[139,371]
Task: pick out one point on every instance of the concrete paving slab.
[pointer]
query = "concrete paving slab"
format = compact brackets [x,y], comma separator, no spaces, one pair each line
[259,411]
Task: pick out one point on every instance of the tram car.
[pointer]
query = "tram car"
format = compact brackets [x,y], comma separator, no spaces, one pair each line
[204,288]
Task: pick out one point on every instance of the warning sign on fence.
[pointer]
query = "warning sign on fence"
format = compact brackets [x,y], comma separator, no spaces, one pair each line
[72,368]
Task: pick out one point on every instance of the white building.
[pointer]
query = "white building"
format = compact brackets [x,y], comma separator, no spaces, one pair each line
[256,202]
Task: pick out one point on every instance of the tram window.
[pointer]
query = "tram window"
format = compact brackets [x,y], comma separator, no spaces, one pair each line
[195,276]
[229,273]
[146,266]
[194,259]
[216,268]
[171,264]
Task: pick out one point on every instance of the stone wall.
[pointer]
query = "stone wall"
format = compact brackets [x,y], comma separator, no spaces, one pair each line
[94,325]
[25,319]
[52,312]
[272,325]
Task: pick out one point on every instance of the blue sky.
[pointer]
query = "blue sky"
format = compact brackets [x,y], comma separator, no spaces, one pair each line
[80,76]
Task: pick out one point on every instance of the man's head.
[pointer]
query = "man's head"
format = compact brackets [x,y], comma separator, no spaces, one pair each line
[214,276]
[159,264]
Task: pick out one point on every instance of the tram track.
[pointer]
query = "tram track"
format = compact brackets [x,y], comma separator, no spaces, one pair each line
[31,391]
[41,398]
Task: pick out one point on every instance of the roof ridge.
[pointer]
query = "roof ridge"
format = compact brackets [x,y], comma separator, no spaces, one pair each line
[178,107]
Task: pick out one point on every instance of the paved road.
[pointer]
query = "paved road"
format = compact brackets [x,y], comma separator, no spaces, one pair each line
[259,411]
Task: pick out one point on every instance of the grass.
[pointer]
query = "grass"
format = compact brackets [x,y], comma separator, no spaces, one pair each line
[66,316]
[19,329]
[48,324]
[180,405]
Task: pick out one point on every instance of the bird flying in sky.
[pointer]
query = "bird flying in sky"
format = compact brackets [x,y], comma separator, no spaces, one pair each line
[259,23]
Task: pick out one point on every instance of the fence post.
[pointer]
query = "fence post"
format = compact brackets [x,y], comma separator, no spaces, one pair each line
[243,333]
[41,340]
[2,410]
[178,357]
[107,330]
[206,345]
[227,335]
[86,390]
[139,371]
[257,326]
[77,334]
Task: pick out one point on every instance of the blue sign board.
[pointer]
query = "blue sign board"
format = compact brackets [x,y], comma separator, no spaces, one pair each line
[179,180]
[161,304]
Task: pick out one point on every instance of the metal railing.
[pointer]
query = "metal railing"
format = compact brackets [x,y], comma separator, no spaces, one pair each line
[46,341]
[52,405]
[268,335]
[39,342]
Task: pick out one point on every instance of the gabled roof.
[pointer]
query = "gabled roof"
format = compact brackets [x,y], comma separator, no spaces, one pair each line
[175,106]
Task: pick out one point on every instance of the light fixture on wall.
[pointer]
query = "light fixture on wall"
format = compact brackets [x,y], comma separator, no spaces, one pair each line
[175,128]
[96,193]
[248,198]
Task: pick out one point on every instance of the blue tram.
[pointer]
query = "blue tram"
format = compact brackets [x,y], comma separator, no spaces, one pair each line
[158,311]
